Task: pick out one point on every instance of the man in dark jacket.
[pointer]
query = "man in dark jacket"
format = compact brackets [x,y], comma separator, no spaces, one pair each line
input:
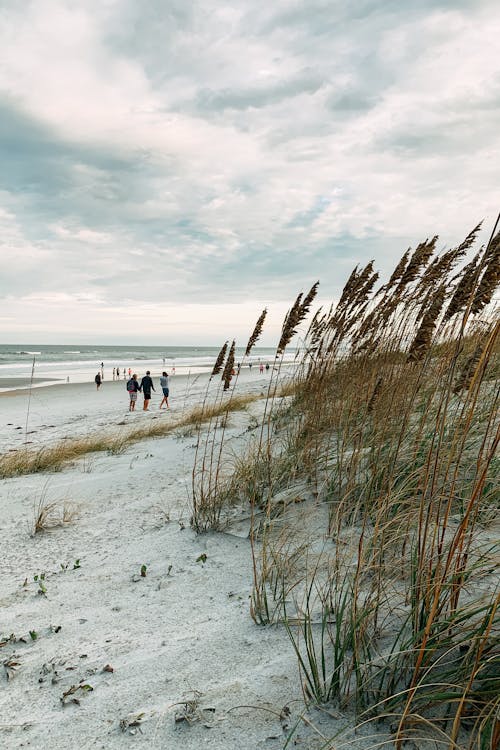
[146,386]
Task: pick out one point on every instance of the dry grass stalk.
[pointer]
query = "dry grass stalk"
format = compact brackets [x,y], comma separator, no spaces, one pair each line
[418,260]
[256,332]
[490,278]
[295,317]
[219,361]
[422,341]
[229,367]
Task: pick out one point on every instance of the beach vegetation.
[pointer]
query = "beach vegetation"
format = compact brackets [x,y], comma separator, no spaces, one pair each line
[373,494]
[51,514]
[55,457]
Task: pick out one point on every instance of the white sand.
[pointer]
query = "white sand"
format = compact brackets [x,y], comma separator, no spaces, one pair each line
[166,634]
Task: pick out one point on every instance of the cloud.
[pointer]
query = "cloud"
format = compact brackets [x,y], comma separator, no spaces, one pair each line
[200,151]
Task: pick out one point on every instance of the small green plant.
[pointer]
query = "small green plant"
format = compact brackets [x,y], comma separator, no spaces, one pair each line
[144,570]
[76,564]
[40,579]
[33,635]
[201,558]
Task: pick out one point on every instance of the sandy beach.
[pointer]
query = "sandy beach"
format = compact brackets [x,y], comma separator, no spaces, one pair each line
[176,642]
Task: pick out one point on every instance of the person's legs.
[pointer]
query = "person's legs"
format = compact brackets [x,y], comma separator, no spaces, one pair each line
[146,402]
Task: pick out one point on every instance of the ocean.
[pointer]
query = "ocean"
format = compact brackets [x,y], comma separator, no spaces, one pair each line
[55,363]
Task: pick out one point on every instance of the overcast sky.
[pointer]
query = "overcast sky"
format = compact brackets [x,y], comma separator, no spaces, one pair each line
[169,167]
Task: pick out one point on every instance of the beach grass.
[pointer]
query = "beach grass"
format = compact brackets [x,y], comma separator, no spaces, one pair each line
[386,578]
[55,457]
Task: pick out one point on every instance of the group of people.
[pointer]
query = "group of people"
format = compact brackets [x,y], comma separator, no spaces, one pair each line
[116,374]
[134,387]
[146,386]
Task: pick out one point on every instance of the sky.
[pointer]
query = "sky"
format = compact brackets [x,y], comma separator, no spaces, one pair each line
[170,167]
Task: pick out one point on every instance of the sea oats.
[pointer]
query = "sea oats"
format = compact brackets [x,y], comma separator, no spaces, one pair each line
[490,278]
[228,369]
[464,289]
[419,260]
[423,337]
[256,332]
[219,361]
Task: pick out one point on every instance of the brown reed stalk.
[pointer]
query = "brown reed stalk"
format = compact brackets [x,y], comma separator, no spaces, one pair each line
[294,317]
[490,279]
[418,260]
[467,371]
[464,289]
[399,270]
[219,361]
[256,332]
[422,341]
[229,367]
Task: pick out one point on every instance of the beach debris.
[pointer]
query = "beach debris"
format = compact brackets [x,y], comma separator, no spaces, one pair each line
[144,569]
[190,712]
[33,635]
[285,718]
[108,668]
[6,639]
[132,723]
[70,695]
[50,669]
[202,558]
[11,666]
[76,564]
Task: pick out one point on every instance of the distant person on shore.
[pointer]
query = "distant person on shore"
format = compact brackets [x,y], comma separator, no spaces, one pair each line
[102,370]
[98,380]
[118,373]
[165,389]
[267,366]
[261,368]
[129,372]
[146,387]
[133,387]
[114,373]
[249,365]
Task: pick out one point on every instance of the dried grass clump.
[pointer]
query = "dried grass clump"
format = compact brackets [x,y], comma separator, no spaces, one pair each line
[54,458]
[51,514]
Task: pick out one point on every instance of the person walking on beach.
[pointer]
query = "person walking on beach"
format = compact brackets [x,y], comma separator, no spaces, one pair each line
[114,373]
[98,380]
[146,386]
[133,387]
[129,371]
[118,373]
[165,389]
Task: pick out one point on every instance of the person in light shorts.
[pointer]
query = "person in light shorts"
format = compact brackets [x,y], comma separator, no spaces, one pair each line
[133,387]
[165,389]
